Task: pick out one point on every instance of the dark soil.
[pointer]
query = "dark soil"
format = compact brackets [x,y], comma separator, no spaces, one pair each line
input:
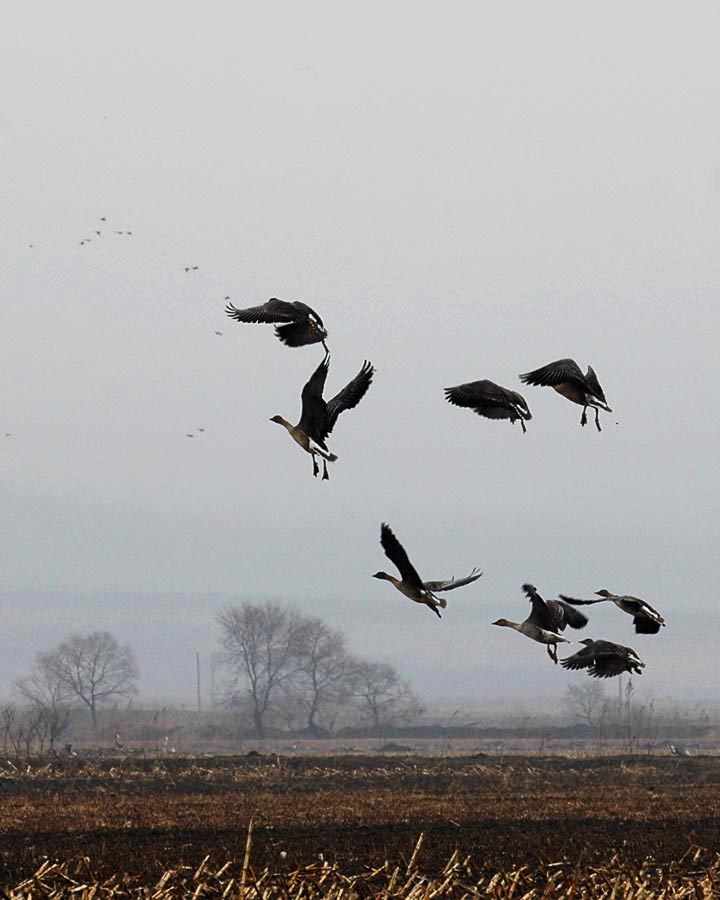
[145,816]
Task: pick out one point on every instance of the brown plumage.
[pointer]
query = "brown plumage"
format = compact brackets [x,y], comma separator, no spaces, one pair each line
[604,659]
[299,324]
[566,377]
[410,584]
[318,417]
[546,619]
[490,400]
[646,619]
[535,633]
[552,615]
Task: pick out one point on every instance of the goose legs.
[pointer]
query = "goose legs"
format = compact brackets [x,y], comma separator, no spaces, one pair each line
[316,468]
[583,418]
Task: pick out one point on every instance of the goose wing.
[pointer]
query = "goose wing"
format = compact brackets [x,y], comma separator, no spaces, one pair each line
[299,334]
[349,396]
[541,614]
[395,552]
[314,417]
[305,328]
[593,385]
[569,614]
[609,662]
[575,602]
[643,608]
[488,399]
[643,625]
[452,583]
[613,659]
[273,311]
[559,372]
[583,659]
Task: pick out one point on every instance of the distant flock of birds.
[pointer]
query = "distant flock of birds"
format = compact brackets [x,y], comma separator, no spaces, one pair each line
[297,325]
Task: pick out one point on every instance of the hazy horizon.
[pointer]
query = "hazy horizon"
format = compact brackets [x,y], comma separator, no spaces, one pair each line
[461,195]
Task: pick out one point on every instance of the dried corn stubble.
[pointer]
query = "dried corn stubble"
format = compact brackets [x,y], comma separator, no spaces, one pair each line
[459,880]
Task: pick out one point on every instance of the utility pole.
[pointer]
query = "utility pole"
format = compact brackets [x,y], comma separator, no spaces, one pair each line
[197,676]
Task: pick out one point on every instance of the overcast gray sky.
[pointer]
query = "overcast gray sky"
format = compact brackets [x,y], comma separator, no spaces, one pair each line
[462,193]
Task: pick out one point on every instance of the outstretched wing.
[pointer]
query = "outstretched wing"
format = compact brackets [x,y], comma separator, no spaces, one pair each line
[397,555]
[541,614]
[488,399]
[558,372]
[583,659]
[313,421]
[571,616]
[613,659]
[575,602]
[608,666]
[349,396]
[452,583]
[273,311]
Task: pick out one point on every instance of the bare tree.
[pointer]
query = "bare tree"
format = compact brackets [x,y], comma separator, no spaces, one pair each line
[19,729]
[259,646]
[324,671]
[588,700]
[8,719]
[47,695]
[383,697]
[93,667]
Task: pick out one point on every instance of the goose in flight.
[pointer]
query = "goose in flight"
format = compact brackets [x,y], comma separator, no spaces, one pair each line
[604,659]
[410,584]
[566,377]
[535,633]
[546,619]
[646,619]
[552,615]
[318,417]
[298,325]
[490,400]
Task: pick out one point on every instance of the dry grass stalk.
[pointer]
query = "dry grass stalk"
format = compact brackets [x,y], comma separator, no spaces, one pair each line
[615,880]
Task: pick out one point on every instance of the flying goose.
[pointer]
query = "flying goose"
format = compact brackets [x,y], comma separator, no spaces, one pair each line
[546,619]
[566,377]
[300,324]
[410,584]
[490,400]
[318,417]
[604,659]
[552,615]
[646,619]
[535,633]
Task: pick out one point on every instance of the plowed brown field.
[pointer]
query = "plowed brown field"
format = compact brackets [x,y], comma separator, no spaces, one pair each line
[144,816]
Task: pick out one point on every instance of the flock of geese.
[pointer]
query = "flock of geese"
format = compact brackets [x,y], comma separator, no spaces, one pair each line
[297,324]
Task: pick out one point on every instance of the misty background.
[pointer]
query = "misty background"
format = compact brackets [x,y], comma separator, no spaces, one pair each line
[461,194]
